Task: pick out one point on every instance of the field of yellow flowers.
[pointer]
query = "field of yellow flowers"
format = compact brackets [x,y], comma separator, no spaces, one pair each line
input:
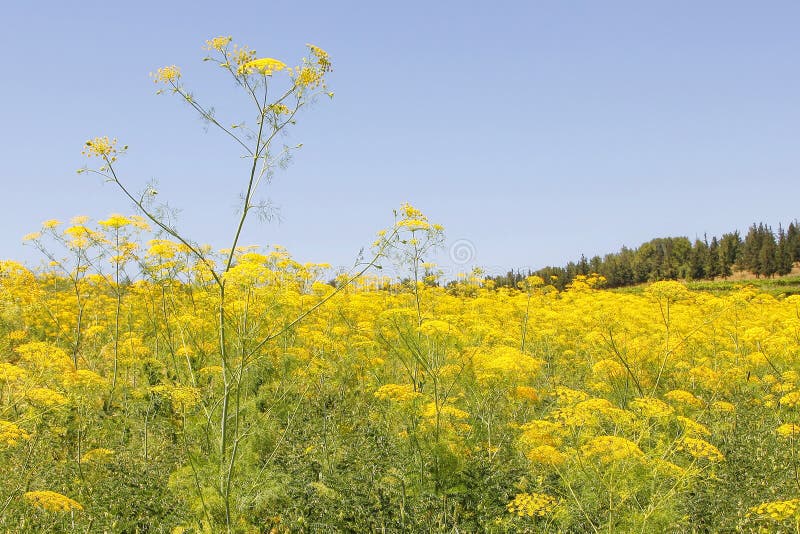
[408,406]
[152,384]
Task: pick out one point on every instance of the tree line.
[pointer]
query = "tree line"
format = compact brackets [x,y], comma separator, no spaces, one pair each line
[762,251]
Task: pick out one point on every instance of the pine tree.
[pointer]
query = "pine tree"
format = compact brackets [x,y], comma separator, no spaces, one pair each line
[767,265]
[699,260]
[712,266]
[783,255]
[730,253]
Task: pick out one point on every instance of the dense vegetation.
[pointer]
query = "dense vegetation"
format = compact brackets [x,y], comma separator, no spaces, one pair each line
[762,252]
[391,407]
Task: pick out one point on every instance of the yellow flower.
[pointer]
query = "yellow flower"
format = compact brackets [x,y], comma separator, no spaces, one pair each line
[101,147]
[217,43]
[169,75]
[788,429]
[397,392]
[723,406]
[608,368]
[651,407]
[444,411]
[46,398]
[684,397]
[532,504]
[665,468]
[264,65]
[790,400]
[527,393]
[321,58]
[700,448]
[540,432]
[692,427]
[11,434]
[182,397]
[11,373]
[51,501]
[546,455]
[776,510]
[84,379]
[115,221]
[608,449]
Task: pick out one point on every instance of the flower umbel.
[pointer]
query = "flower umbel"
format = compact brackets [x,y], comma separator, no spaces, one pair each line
[52,501]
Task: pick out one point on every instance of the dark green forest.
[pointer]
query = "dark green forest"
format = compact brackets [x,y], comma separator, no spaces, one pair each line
[763,252]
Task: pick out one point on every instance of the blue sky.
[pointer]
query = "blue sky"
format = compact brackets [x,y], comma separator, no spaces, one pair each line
[537,131]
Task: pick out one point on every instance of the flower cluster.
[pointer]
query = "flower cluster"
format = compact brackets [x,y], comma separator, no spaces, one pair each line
[532,504]
[776,510]
[51,501]
[609,449]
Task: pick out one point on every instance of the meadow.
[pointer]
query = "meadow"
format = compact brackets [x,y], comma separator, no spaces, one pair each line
[152,384]
[393,406]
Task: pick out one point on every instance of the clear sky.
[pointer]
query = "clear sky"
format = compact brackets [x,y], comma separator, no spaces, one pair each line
[535,130]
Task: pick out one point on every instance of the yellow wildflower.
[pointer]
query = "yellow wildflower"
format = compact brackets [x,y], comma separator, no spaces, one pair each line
[264,65]
[692,427]
[788,429]
[321,58]
[532,504]
[115,221]
[11,434]
[540,432]
[609,449]
[52,501]
[45,398]
[651,407]
[11,373]
[546,455]
[700,448]
[100,147]
[776,510]
[217,43]
[608,368]
[397,392]
[527,393]
[790,400]
[170,75]
[684,397]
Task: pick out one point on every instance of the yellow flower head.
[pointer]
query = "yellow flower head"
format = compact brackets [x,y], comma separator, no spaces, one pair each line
[692,427]
[397,392]
[700,448]
[46,398]
[264,65]
[321,58]
[776,510]
[546,455]
[101,147]
[788,429]
[608,449]
[11,434]
[115,221]
[532,504]
[217,43]
[51,501]
[169,75]
[650,407]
